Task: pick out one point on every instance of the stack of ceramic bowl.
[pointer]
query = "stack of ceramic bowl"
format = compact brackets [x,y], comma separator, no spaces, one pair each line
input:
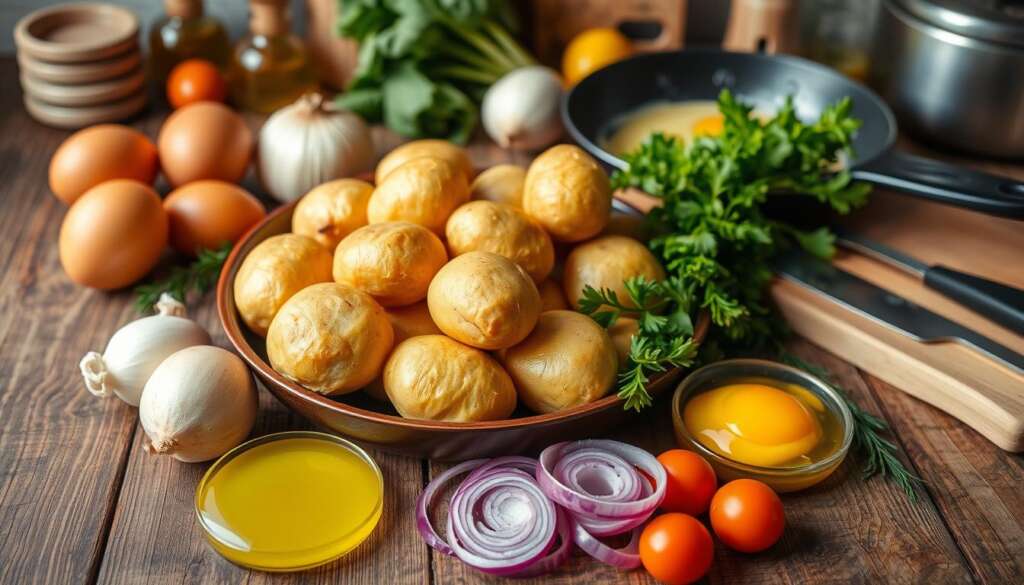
[80,64]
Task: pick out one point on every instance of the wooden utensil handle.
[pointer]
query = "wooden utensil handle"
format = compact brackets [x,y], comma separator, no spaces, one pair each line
[762,26]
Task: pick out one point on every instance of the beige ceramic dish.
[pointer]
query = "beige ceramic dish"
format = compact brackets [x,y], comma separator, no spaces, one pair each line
[75,33]
[88,94]
[76,73]
[70,118]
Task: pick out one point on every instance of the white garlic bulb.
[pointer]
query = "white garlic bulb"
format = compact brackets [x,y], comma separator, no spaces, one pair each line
[520,110]
[199,403]
[136,349]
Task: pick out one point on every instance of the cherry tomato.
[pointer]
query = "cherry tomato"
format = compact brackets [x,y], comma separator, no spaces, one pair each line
[676,549]
[747,515]
[691,482]
[195,80]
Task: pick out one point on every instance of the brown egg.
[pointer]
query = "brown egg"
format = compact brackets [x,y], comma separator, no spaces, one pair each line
[332,211]
[207,214]
[331,338]
[408,321]
[504,230]
[606,263]
[622,333]
[567,360]
[101,153]
[430,147]
[113,235]
[204,140]
[500,184]
[424,191]
[551,296]
[273,272]
[568,193]
[434,377]
[393,262]
[484,300]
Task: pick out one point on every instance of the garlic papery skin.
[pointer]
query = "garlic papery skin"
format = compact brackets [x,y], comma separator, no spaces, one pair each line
[308,143]
[199,403]
[136,349]
[520,110]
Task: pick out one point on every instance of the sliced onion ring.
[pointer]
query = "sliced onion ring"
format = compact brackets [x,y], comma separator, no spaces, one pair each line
[627,557]
[426,499]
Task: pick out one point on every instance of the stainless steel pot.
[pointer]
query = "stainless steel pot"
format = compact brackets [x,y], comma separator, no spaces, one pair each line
[953,71]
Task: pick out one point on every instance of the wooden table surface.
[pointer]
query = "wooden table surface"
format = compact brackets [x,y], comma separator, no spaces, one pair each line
[81,502]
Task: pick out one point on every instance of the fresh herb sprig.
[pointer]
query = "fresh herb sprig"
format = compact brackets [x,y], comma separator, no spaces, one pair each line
[198,277]
[664,337]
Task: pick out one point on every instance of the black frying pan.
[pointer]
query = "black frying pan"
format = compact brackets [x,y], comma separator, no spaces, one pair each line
[764,81]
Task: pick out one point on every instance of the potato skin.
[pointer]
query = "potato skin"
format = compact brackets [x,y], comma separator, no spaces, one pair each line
[607,262]
[504,230]
[333,210]
[431,147]
[276,269]
[393,262]
[568,193]
[331,338]
[424,191]
[408,321]
[551,296]
[500,184]
[434,377]
[622,333]
[484,300]
[567,360]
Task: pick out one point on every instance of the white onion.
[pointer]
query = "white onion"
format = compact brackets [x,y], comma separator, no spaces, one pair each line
[521,109]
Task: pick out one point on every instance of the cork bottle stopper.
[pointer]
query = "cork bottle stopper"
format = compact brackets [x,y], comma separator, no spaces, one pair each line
[184,8]
[269,17]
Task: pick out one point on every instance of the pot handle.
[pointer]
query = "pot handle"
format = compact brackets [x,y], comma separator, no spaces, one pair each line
[945,183]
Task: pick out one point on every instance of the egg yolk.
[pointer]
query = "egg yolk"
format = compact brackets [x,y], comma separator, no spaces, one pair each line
[709,126]
[753,424]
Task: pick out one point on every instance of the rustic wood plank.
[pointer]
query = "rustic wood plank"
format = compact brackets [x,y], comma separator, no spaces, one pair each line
[844,530]
[977,487]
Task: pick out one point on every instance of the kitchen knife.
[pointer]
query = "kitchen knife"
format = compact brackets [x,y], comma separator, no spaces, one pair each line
[999,302]
[886,308]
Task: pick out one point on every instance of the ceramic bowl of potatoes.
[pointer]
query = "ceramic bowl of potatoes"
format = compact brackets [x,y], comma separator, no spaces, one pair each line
[430,308]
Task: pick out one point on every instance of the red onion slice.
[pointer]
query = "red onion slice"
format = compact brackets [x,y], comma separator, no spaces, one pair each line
[598,479]
[426,500]
[627,557]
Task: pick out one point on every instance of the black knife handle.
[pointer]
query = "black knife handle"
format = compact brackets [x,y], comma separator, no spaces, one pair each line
[999,302]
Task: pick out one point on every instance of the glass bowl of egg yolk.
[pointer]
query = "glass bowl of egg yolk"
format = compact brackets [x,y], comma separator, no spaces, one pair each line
[763,420]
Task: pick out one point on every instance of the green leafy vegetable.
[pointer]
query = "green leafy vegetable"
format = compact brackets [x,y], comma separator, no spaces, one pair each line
[424,64]
[198,277]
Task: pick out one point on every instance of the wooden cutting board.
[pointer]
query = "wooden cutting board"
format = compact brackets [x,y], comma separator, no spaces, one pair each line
[979,391]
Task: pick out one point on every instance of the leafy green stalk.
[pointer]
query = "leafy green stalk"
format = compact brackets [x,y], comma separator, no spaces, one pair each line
[198,277]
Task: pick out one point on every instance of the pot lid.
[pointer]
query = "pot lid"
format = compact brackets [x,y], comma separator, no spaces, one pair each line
[999,21]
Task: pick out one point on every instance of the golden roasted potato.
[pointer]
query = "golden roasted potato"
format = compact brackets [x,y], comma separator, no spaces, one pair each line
[568,193]
[622,333]
[333,210]
[429,147]
[408,321]
[424,191]
[437,378]
[331,338]
[551,296]
[276,269]
[567,360]
[484,300]
[495,227]
[394,262]
[500,184]
[607,262]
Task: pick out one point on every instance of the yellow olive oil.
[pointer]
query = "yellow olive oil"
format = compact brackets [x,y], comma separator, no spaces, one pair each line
[290,501]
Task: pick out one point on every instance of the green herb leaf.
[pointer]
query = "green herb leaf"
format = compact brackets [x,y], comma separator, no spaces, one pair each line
[198,277]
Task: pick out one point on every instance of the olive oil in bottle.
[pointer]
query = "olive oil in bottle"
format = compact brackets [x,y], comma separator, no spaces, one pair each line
[185,33]
[270,68]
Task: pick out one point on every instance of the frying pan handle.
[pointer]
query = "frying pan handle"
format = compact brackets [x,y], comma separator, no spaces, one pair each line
[945,183]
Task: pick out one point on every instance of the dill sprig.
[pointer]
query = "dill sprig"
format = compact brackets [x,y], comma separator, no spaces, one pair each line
[877,455]
[198,277]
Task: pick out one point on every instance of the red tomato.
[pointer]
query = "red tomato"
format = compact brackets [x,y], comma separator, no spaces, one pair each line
[691,482]
[747,515]
[676,549]
[195,80]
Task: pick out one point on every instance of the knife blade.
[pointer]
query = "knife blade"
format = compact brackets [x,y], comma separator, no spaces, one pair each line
[886,308]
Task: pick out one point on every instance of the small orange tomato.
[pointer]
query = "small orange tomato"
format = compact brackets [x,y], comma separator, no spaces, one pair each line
[591,50]
[676,549]
[195,80]
[691,482]
[747,515]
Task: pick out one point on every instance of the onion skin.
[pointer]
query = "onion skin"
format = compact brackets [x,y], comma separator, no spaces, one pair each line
[520,111]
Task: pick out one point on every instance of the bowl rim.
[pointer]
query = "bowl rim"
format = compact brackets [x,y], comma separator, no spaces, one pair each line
[27,41]
[230,322]
[810,382]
